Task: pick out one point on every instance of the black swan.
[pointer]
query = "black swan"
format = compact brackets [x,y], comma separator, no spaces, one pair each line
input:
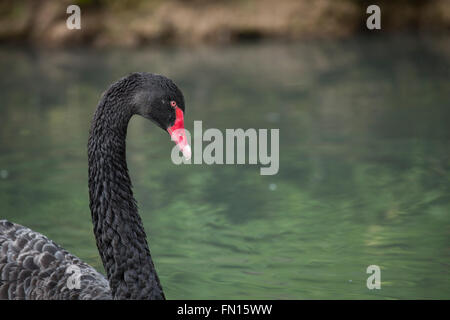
[34,267]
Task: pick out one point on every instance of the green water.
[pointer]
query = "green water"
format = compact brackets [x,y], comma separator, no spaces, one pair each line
[364,165]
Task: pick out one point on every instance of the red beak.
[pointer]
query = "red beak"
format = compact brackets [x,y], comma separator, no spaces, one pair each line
[178,134]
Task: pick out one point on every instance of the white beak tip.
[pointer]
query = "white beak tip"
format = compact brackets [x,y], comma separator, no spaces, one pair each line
[187,152]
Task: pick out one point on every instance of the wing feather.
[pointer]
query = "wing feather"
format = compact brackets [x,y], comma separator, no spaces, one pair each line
[34,267]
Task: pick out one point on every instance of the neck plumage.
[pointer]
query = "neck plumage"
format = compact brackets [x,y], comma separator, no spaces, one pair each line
[120,235]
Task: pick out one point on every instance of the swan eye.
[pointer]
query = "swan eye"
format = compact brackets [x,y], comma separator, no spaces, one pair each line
[173,104]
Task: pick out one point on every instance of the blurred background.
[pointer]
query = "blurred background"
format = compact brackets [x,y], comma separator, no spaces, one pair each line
[364,140]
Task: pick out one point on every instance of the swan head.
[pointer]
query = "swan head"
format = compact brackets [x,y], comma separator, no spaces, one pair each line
[159,99]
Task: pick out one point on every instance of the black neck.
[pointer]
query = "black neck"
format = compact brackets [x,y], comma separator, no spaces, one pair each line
[120,235]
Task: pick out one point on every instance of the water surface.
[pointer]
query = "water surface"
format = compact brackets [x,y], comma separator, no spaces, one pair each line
[364,165]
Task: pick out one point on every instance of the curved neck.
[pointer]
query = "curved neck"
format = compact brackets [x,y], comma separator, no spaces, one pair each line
[120,235]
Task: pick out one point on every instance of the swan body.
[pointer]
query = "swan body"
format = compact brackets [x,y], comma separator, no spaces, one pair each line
[34,267]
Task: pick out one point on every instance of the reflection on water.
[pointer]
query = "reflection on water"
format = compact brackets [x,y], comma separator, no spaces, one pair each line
[364,165]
